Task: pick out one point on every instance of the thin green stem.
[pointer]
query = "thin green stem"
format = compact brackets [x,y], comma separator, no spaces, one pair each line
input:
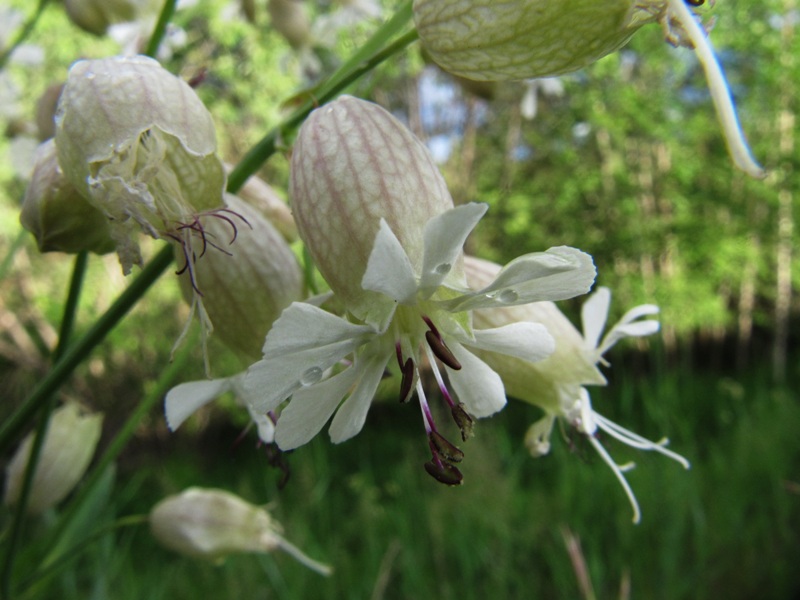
[67,323]
[161,27]
[76,353]
[23,33]
[367,58]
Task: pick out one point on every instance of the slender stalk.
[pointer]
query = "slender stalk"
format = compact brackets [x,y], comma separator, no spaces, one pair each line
[160,29]
[23,33]
[76,353]
[369,56]
[67,324]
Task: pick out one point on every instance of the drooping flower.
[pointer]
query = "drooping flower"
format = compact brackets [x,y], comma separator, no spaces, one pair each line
[68,449]
[557,383]
[378,221]
[139,145]
[211,523]
[487,40]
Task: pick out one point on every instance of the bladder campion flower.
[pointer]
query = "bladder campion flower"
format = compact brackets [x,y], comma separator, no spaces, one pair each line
[139,145]
[487,40]
[556,384]
[210,523]
[379,222]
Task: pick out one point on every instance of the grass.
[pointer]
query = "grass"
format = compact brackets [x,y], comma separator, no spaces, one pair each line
[727,528]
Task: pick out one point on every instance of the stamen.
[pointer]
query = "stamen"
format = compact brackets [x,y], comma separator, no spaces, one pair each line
[407,371]
[444,472]
[444,449]
[464,421]
[637,515]
[718,86]
[441,350]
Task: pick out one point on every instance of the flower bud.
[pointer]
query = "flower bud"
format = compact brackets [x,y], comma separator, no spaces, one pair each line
[209,523]
[257,193]
[139,144]
[95,16]
[488,40]
[65,455]
[290,19]
[60,218]
[246,285]
[353,164]
[46,111]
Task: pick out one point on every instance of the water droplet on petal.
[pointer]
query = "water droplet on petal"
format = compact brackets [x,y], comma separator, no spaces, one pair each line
[508,296]
[311,376]
[443,268]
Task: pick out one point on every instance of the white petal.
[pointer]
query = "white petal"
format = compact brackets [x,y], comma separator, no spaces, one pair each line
[477,386]
[444,236]
[594,313]
[350,417]
[303,343]
[186,398]
[638,329]
[556,274]
[389,270]
[537,438]
[309,410]
[264,424]
[528,341]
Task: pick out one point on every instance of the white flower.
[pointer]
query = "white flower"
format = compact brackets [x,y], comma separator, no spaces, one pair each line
[556,384]
[425,315]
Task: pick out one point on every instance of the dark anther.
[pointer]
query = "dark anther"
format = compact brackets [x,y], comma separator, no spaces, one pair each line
[441,351]
[444,449]
[444,472]
[464,421]
[198,78]
[696,2]
[407,383]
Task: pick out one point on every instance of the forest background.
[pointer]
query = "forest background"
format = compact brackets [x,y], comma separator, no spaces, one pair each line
[624,160]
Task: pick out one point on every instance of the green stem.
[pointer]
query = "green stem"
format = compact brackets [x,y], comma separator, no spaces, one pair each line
[118,444]
[67,323]
[161,27]
[367,58]
[10,429]
[23,33]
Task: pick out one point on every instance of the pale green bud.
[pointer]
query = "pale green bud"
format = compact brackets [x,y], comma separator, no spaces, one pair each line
[95,16]
[290,19]
[139,144]
[65,455]
[246,285]
[258,193]
[55,213]
[353,164]
[489,40]
[210,523]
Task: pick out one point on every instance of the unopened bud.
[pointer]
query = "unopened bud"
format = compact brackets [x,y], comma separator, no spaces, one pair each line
[211,523]
[290,19]
[95,16]
[57,215]
[65,455]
